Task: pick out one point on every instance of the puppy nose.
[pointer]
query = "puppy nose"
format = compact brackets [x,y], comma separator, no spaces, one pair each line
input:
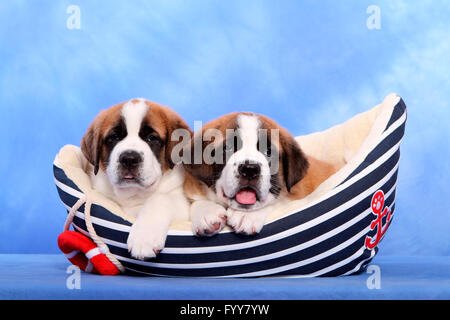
[130,159]
[249,170]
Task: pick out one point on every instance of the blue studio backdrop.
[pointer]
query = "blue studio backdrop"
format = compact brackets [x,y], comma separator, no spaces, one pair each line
[307,66]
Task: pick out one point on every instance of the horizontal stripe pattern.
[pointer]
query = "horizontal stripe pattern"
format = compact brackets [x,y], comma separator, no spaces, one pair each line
[324,239]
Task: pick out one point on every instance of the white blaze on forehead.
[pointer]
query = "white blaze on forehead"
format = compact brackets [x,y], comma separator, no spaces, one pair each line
[248,132]
[133,114]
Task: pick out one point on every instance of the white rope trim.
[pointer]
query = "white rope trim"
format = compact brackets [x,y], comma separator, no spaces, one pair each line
[101,247]
[98,241]
[72,212]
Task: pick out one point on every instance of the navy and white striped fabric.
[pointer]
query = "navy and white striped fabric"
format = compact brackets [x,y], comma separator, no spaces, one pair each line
[327,238]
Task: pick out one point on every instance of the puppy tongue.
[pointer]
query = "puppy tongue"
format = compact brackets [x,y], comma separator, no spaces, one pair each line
[246,196]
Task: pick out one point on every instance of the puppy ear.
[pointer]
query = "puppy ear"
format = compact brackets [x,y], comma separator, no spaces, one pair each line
[295,164]
[196,165]
[176,123]
[91,145]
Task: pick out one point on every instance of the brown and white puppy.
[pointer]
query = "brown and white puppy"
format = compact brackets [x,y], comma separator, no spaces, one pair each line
[248,163]
[129,150]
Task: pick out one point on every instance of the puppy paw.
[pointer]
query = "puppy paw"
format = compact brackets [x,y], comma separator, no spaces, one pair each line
[145,242]
[208,220]
[249,223]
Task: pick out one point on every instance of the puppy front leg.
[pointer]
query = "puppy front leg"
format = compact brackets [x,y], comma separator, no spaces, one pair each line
[148,233]
[207,217]
[246,222]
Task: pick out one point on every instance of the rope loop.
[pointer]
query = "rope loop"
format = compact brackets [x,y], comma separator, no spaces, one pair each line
[90,228]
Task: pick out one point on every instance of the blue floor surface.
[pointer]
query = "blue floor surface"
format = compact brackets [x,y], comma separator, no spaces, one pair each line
[45,277]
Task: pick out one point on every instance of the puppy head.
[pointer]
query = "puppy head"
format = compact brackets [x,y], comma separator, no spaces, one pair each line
[247,160]
[131,142]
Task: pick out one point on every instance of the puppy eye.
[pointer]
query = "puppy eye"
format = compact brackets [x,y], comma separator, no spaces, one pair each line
[152,138]
[232,146]
[228,148]
[149,135]
[113,137]
[267,151]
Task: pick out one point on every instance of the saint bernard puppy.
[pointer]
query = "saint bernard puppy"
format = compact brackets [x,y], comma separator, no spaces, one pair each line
[129,150]
[248,163]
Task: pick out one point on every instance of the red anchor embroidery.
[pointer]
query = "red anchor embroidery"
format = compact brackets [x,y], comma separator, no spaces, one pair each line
[377,209]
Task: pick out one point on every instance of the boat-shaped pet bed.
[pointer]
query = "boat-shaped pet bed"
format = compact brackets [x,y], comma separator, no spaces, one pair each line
[334,231]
